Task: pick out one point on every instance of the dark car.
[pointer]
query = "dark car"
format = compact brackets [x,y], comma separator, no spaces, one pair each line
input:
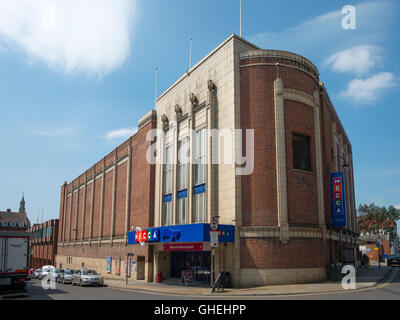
[393,260]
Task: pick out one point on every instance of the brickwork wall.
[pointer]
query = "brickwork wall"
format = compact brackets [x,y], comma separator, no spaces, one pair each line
[270,253]
[302,185]
[141,206]
[259,207]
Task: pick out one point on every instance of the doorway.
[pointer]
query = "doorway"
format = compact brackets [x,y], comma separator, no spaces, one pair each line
[198,262]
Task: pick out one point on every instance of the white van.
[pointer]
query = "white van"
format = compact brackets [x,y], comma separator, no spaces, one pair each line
[46,270]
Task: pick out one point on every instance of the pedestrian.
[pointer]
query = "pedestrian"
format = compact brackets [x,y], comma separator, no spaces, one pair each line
[365,260]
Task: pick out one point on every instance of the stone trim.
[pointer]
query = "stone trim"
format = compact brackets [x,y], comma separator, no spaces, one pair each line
[294,232]
[299,96]
[278,54]
[269,64]
[281,160]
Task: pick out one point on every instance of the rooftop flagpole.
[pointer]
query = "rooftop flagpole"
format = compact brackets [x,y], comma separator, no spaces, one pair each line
[241,33]
[190,58]
[156,90]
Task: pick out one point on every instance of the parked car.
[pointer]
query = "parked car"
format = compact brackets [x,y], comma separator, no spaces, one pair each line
[87,277]
[393,260]
[36,274]
[65,276]
[60,275]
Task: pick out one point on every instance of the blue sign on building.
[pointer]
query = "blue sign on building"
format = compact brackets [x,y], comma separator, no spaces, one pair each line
[338,200]
[183,233]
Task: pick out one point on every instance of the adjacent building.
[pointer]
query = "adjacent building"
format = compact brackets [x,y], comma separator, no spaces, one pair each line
[248,138]
[43,244]
[100,207]
[15,221]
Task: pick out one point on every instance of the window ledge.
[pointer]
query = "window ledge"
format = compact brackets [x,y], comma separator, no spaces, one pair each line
[303,171]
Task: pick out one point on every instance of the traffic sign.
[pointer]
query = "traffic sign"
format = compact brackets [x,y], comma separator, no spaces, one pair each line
[214,239]
[214,225]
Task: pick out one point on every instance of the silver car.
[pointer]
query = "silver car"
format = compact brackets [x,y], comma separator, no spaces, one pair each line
[85,277]
[65,277]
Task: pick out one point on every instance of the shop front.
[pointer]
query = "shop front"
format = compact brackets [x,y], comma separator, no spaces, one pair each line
[183,248]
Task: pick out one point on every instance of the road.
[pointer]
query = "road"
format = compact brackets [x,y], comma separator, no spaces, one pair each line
[386,291]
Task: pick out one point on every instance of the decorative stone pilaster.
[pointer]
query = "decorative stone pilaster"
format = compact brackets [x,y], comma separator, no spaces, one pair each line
[318,153]
[281,161]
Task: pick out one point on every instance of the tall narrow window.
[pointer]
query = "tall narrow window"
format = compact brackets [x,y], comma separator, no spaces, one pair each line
[301,152]
[167,188]
[199,199]
[182,187]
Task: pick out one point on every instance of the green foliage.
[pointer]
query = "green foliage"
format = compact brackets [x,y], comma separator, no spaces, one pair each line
[375,220]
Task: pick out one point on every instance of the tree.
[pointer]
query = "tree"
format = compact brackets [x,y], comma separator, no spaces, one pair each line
[374,220]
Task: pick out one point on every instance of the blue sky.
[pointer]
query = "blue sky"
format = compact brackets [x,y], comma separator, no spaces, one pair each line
[77,75]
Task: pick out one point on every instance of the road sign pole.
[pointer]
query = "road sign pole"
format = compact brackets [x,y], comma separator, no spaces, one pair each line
[213,266]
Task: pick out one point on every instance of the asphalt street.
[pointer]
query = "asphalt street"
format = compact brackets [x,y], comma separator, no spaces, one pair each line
[388,290]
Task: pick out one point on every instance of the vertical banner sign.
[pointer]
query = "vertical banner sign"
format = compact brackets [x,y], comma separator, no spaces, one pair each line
[108,264]
[117,266]
[338,200]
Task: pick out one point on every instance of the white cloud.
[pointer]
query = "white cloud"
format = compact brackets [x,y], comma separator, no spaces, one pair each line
[366,91]
[62,132]
[124,133]
[397,207]
[71,36]
[358,60]
[323,35]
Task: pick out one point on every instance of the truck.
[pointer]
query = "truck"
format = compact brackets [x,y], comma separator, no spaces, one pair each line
[14,260]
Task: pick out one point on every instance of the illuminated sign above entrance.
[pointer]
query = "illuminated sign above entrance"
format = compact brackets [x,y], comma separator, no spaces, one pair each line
[183,233]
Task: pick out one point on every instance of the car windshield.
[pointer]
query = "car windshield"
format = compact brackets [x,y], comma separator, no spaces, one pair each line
[67,272]
[89,272]
[46,270]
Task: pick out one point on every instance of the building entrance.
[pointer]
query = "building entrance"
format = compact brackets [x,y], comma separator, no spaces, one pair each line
[198,262]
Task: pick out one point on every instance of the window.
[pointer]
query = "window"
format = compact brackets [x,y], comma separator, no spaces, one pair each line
[183,171]
[167,210]
[301,152]
[168,169]
[182,206]
[200,157]
[183,163]
[200,171]
[167,198]
[199,204]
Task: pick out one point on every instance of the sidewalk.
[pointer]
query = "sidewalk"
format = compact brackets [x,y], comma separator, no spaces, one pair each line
[366,278]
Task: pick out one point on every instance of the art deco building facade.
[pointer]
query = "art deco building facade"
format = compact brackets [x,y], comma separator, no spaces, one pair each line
[261,139]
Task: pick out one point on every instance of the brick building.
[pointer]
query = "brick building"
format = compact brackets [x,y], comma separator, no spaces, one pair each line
[100,207]
[43,243]
[14,221]
[261,138]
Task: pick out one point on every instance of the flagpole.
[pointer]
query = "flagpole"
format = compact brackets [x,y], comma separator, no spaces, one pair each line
[156,90]
[190,58]
[241,34]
